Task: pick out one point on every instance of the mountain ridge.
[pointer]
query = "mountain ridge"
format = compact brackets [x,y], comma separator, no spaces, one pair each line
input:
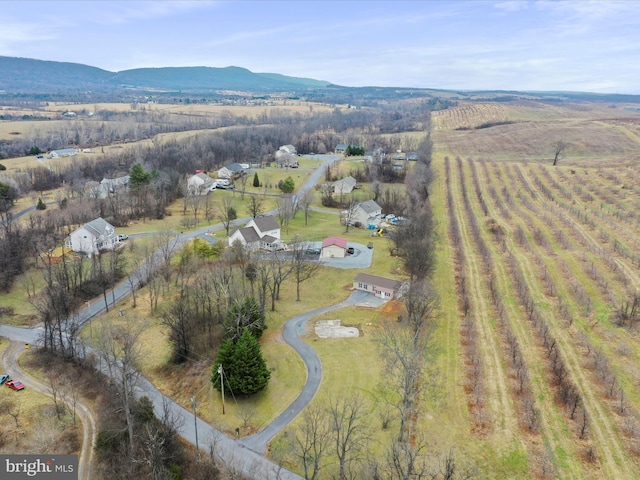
[27,76]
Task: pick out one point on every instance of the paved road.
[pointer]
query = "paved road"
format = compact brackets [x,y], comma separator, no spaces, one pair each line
[243,455]
[82,411]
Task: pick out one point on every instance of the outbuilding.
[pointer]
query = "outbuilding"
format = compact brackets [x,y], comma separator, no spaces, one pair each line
[334,247]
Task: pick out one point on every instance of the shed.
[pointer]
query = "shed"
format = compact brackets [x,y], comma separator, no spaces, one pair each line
[334,247]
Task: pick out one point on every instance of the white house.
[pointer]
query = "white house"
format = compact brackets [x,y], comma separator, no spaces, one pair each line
[341,148]
[233,170]
[365,212]
[286,156]
[260,233]
[199,184]
[112,185]
[334,247]
[344,185]
[65,152]
[92,237]
[288,149]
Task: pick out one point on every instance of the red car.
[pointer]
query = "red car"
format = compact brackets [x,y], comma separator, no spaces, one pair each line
[15,385]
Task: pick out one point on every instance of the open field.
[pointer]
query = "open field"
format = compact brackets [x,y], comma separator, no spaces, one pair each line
[591,132]
[56,122]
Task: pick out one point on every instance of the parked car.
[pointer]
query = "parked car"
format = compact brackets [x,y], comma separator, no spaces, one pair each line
[313,251]
[15,385]
[350,251]
[122,237]
[3,378]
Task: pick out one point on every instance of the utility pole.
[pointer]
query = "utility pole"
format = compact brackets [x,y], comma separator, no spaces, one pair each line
[194,403]
[221,373]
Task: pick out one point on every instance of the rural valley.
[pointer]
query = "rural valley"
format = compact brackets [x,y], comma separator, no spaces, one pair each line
[509,233]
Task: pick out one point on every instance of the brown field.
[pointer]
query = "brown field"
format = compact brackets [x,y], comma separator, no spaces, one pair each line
[592,132]
[14,128]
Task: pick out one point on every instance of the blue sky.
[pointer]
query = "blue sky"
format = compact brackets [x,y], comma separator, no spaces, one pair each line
[514,45]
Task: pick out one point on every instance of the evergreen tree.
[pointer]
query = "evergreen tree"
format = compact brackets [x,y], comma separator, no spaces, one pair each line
[138,176]
[41,205]
[288,185]
[244,368]
[8,196]
[256,180]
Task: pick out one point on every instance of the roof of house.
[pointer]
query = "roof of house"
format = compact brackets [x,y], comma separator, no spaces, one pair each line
[98,226]
[378,281]
[266,223]
[346,181]
[288,148]
[338,241]
[204,177]
[369,206]
[118,181]
[249,234]
[268,239]
[64,151]
[341,146]
[234,167]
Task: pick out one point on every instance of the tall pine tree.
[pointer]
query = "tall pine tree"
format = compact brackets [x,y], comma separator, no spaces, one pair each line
[244,368]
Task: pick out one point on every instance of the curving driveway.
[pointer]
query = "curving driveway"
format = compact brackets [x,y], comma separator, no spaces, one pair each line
[84,413]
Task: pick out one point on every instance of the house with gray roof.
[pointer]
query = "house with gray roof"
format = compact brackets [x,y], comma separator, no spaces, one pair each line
[64,152]
[365,212]
[260,233]
[231,171]
[341,148]
[92,237]
[199,184]
[344,185]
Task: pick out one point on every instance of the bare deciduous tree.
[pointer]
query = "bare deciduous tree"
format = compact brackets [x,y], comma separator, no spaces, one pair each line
[305,203]
[311,440]
[406,356]
[421,303]
[226,212]
[120,350]
[348,431]
[559,149]
[255,206]
[304,267]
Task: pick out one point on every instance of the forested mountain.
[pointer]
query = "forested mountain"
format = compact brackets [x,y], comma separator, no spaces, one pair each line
[25,75]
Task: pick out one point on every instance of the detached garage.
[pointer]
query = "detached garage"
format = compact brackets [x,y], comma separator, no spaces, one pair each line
[334,247]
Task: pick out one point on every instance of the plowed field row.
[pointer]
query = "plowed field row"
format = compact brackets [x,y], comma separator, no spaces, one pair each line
[500,411]
[546,462]
[524,261]
[536,263]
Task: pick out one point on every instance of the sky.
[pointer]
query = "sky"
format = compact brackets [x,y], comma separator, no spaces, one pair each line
[591,46]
